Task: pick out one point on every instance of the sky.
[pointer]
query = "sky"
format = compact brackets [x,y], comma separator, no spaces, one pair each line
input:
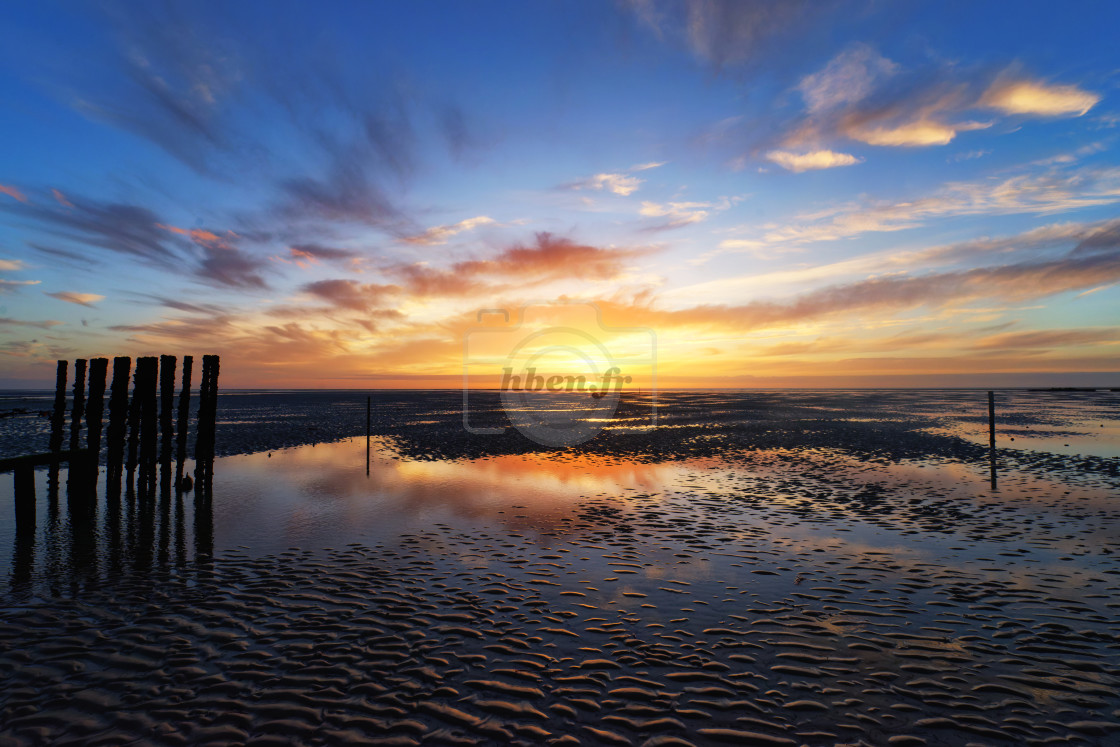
[775,194]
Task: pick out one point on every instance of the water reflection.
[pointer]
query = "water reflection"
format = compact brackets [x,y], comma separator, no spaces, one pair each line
[101,541]
[321,495]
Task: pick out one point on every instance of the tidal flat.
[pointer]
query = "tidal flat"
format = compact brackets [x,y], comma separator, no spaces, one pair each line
[776,568]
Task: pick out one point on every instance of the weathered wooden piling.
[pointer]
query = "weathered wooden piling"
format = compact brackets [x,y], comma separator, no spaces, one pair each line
[118,414]
[148,367]
[95,405]
[166,404]
[77,410]
[207,422]
[207,408]
[134,421]
[369,408]
[184,410]
[58,415]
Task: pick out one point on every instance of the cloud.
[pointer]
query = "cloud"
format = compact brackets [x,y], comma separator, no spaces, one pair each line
[1050,338]
[350,294]
[82,299]
[61,198]
[1017,282]
[1040,99]
[44,324]
[679,213]
[726,32]
[817,159]
[12,192]
[848,78]
[440,234]
[1052,192]
[12,265]
[917,133]
[620,184]
[549,258]
[6,286]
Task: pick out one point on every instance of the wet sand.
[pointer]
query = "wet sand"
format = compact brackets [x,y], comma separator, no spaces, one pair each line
[717,594]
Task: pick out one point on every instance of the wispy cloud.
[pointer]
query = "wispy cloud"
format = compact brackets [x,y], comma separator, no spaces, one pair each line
[727,32]
[12,265]
[82,299]
[440,234]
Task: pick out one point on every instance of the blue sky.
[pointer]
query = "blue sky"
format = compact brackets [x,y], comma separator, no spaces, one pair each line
[802,193]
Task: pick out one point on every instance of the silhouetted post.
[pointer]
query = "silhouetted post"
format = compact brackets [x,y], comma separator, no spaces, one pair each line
[207,422]
[118,417]
[58,416]
[134,421]
[184,413]
[95,407]
[368,408]
[79,405]
[166,404]
[992,437]
[147,368]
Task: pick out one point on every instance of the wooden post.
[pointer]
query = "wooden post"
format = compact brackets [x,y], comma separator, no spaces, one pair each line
[149,433]
[79,405]
[991,419]
[134,420]
[95,407]
[184,410]
[203,408]
[992,438]
[58,416]
[118,414]
[167,404]
[368,409]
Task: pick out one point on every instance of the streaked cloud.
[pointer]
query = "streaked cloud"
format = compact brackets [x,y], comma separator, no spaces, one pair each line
[12,192]
[44,324]
[82,299]
[917,133]
[12,265]
[817,159]
[10,285]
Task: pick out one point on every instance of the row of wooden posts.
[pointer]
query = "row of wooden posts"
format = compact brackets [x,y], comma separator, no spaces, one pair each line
[146,421]
[142,431]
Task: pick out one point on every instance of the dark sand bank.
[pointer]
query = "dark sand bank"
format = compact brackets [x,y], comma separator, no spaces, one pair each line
[842,576]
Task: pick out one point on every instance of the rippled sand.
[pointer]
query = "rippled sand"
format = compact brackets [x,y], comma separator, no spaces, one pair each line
[776,596]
